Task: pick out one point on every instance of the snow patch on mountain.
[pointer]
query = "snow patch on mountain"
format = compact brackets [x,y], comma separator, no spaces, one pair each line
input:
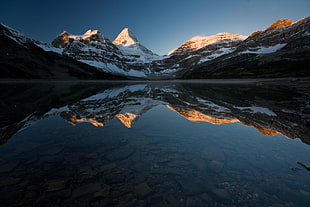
[264,50]
[87,35]
[111,93]
[255,109]
[17,36]
[215,54]
[198,42]
[136,54]
[49,48]
[114,69]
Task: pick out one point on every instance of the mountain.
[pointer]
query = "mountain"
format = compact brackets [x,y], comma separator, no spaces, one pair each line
[124,56]
[128,43]
[92,48]
[281,50]
[196,51]
[198,42]
[270,108]
[23,57]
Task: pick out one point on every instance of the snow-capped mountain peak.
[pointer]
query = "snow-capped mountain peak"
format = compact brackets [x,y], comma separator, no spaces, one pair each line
[129,45]
[198,42]
[126,38]
[88,36]
[91,32]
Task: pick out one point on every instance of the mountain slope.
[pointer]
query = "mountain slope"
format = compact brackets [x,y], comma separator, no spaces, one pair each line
[129,45]
[282,50]
[21,57]
[198,42]
[124,56]
[196,51]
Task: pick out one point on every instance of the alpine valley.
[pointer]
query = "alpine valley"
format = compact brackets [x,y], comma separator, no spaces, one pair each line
[281,50]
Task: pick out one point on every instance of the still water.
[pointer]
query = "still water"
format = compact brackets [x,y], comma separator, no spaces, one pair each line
[154,144]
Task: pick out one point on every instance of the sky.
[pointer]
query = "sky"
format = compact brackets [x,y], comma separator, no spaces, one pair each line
[160,25]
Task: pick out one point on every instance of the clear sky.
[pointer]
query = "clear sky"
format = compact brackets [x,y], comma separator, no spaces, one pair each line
[160,25]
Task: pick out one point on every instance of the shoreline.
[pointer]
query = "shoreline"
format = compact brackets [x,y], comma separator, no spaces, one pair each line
[207,81]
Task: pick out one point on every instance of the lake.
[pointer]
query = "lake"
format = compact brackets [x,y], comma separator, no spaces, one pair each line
[155,144]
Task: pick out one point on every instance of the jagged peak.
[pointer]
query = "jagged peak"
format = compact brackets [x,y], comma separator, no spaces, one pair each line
[91,32]
[88,36]
[280,23]
[127,119]
[125,38]
[64,33]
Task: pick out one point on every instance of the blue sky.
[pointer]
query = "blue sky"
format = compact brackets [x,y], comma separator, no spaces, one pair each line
[160,25]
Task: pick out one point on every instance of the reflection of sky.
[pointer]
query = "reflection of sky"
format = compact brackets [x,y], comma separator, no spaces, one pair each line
[162,142]
[160,25]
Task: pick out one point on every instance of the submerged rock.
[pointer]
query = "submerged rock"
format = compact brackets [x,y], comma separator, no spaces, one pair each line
[216,166]
[55,185]
[119,154]
[104,192]
[142,190]
[86,189]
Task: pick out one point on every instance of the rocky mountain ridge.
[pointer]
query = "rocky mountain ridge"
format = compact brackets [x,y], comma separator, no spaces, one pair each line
[198,42]
[281,50]
[124,56]
[25,58]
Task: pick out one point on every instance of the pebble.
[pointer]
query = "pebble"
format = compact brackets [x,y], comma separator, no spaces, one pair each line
[55,185]
[142,190]
[119,154]
[86,189]
[50,150]
[8,167]
[192,185]
[171,200]
[221,193]
[9,181]
[104,192]
[200,164]
[216,166]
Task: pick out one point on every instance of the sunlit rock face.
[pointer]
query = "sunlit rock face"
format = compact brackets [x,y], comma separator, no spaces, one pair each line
[196,116]
[89,36]
[128,43]
[74,120]
[271,110]
[198,42]
[127,119]
[275,50]
[282,31]
[25,58]
[124,56]
[125,38]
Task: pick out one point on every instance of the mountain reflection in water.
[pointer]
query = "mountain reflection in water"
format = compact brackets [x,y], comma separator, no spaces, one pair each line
[154,144]
[270,109]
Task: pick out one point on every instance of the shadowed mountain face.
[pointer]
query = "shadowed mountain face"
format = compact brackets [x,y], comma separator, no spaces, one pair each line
[271,109]
[281,50]
[23,58]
